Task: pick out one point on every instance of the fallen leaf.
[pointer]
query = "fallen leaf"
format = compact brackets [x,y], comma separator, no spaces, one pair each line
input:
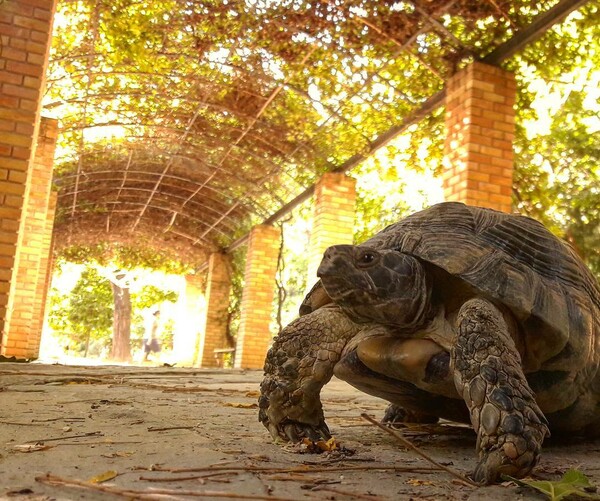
[573,482]
[118,454]
[32,447]
[308,445]
[103,477]
[418,481]
[327,445]
[239,405]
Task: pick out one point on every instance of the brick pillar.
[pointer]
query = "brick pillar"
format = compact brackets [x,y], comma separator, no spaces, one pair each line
[333,219]
[254,335]
[191,308]
[25,31]
[218,288]
[41,206]
[480,125]
[46,269]
[22,317]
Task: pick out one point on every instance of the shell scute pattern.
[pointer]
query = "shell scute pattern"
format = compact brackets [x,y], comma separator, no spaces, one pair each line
[514,260]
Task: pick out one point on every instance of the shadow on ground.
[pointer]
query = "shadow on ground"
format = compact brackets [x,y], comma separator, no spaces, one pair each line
[168,433]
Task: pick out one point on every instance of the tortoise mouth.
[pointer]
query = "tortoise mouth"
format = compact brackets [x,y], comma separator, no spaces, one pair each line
[329,267]
[336,261]
[346,290]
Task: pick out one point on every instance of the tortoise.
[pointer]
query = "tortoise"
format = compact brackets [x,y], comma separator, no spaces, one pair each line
[455,312]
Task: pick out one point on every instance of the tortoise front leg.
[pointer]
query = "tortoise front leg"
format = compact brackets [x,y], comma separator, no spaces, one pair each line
[487,372]
[297,366]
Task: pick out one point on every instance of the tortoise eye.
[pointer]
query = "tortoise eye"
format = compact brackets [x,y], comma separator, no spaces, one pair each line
[366,258]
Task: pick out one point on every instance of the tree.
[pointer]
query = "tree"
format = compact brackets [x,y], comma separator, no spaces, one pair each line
[121,344]
[559,179]
[557,164]
[84,314]
[102,310]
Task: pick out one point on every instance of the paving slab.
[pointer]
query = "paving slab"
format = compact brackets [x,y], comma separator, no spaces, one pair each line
[180,433]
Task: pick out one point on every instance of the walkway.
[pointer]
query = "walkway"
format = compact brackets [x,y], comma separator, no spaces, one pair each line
[196,431]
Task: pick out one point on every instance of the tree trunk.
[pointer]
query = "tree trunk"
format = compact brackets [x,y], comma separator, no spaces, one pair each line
[121,350]
[87,343]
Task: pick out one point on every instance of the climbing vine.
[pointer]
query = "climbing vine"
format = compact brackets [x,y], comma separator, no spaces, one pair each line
[191,120]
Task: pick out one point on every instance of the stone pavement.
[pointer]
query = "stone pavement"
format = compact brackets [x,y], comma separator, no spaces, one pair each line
[169,433]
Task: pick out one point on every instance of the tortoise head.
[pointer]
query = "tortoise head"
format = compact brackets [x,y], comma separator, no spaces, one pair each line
[383,286]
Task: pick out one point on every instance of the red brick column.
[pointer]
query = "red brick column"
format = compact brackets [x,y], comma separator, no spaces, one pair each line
[254,335]
[22,318]
[333,219]
[46,269]
[218,289]
[25,31]
[480,124]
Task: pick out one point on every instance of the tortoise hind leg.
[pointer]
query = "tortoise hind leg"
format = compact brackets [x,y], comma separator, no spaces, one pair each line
[509,424]
[396,414]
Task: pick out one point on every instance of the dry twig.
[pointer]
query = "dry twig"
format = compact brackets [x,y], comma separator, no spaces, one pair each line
[166,428]
[297,469]
[16,423]
[66,419]
[103,442]
[153,495]
[192,477]
[54,439]
[353,495]
[414,448]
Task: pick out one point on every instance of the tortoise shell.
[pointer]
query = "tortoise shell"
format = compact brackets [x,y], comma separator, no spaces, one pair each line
[516,262]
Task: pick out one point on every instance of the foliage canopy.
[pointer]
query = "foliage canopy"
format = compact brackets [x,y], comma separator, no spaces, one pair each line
[185,122]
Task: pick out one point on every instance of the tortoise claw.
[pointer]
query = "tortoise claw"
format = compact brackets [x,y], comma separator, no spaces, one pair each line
[496,463]
[487,470]
[311,433]
[273,430]
[324,431]
[291,433]
[295,432]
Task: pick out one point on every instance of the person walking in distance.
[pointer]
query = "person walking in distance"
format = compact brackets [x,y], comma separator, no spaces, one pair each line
[151,343]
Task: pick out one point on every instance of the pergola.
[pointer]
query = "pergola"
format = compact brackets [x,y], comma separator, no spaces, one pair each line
[183,125]
[240,107]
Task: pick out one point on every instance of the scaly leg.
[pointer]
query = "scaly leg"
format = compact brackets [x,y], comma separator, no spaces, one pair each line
[298,365]
[487,372]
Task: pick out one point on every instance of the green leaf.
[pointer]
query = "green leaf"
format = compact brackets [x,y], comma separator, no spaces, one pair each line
[573,483]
